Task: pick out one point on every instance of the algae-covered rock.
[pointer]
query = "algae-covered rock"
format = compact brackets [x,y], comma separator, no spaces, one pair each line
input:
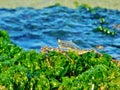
[52,70]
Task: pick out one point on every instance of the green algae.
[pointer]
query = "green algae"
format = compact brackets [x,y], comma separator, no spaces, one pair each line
[25,70]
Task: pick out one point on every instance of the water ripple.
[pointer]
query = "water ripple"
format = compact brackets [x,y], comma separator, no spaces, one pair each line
[33,28]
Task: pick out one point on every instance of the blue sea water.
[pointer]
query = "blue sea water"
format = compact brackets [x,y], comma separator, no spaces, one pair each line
[32,28]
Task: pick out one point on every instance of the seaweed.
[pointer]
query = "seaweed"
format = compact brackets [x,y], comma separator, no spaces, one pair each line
[28,70]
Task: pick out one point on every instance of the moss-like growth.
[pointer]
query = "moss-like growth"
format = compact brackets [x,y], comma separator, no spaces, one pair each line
[103,29]
[24,70]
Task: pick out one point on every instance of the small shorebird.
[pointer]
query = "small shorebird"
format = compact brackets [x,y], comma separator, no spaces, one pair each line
[67,44]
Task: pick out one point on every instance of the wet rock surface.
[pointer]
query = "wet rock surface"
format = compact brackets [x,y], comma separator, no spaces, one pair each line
[33,28]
